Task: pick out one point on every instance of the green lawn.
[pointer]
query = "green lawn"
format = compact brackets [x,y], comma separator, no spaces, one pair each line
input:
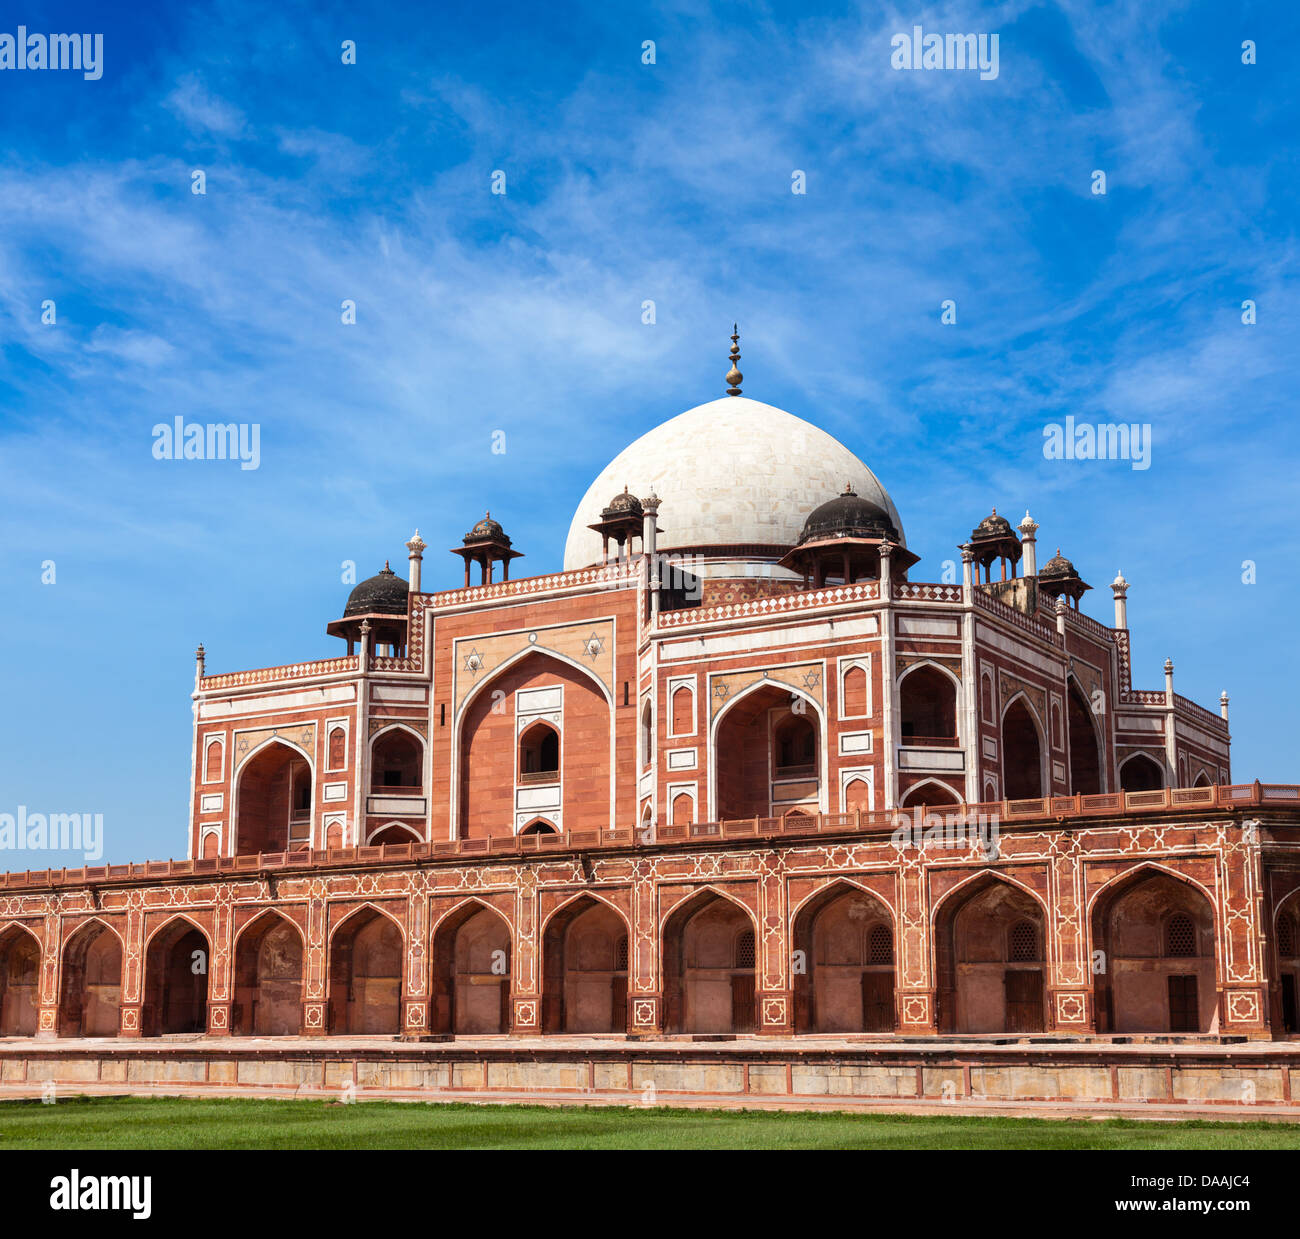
[176,1123]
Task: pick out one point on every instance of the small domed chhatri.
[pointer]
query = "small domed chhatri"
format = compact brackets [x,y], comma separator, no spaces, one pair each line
[848,515]
[1059,577]
[486,529]
[843,541]
[622,521]
[994,539]
[376,609]
[382,594]
[486,545]
[625,504]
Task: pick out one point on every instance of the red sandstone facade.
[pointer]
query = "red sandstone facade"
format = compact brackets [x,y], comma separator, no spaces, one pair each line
[640,799]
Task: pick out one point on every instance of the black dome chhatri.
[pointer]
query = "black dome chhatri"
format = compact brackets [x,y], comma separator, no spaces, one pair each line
[626,504]
[848,516]
[1058,568]
[992,526]
[486,530]
[382,594]
[1059,578]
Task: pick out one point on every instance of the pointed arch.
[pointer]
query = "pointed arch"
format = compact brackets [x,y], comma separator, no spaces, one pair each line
[843,885]
[577,897]
[984,875]
[983,982]
[539,826]
[709,964]
[213,769]
[269,914]
[538,752]
[398,725]
[1151,984]
[986,697]
[473,729]
[681,714]
[470,904]
[846,936]
[1019,756]
[700,896]
[715,728]
[1086,747]
[267,743]
[415,836]
[264,807]
[1142,772]
[27,929]
[177,970]
[585,966]
[519,656]
[1292,896]
[911,798]
[100,923]
[927,693]
[856,793]
[473,964]
[21,954]
[367,906]
[366,951]
[336,747]
[268,975]
[170,921]
[647,732]
[759,686]
[397,759]
[90,981]
[1139,871]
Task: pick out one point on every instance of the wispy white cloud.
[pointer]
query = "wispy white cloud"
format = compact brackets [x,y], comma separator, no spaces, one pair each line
[194,104]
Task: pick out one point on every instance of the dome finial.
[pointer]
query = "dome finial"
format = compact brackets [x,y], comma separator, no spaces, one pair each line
[734,376]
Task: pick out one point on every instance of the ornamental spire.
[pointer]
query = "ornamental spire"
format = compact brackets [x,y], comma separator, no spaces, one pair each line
[734,376]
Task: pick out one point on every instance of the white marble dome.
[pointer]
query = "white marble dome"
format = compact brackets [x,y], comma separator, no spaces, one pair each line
[730,472]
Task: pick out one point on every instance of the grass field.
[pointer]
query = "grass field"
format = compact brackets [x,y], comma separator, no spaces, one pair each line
[114,1123]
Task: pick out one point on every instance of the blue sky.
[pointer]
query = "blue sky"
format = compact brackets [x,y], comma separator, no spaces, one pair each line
[522,312]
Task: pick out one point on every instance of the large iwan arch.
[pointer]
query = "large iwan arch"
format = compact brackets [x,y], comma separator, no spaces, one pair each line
[1155,932]
[268,978]
[990,954]
[274,792]
[487,743]
[585,968]
[20,976]
[178,963]
[365,974]
[843,941]
[709,962]
[768,747]
[472,965]
[90,994]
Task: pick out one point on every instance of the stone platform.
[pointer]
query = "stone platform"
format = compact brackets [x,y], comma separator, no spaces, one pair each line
[1166,1078]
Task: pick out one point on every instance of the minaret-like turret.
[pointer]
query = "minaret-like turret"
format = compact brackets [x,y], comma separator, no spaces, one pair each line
[1029,543]
[415,556]
[1120,588]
